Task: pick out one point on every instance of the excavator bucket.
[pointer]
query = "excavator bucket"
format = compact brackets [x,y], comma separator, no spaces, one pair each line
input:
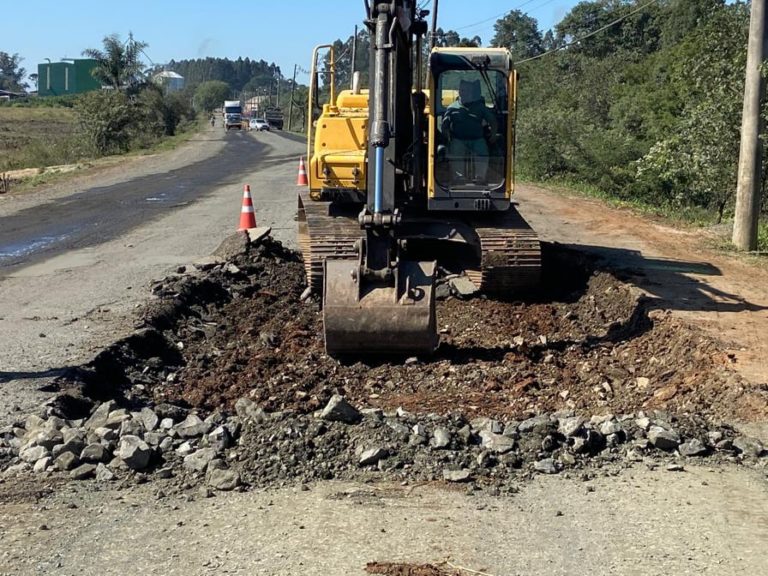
[365,317]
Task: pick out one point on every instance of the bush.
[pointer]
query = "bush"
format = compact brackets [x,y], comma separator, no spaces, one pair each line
[111,122]
[105,119]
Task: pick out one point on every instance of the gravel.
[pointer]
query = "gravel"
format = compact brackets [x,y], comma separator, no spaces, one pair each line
[178,407]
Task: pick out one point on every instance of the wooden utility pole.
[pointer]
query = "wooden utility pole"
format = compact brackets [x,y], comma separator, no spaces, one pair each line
[290,106]
[354,59]
[750,155]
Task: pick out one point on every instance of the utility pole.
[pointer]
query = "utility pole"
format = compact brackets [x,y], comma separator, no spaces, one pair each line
[750,154]
[278,90]
[354,59]
[290,106]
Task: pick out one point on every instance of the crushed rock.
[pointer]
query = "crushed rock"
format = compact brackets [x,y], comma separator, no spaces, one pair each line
[225,384]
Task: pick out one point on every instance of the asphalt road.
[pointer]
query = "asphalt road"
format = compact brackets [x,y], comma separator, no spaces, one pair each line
[76,261]
[101,213]
[62,301]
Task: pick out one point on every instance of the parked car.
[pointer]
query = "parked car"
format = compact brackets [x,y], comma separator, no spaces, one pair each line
[259,124]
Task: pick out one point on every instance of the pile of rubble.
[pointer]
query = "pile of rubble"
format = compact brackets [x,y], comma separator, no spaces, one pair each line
[225,385]
[256,448]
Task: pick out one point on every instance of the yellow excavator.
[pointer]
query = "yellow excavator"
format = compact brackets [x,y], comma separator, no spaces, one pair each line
[408,179]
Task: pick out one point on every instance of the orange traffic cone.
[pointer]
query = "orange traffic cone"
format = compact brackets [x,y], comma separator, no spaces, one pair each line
[302,180]
[247,213]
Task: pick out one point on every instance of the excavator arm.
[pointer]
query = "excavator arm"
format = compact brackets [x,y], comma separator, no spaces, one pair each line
[383,301]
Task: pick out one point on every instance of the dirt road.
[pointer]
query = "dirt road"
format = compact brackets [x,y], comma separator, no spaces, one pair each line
[62,310]
[676,268]
[642,523]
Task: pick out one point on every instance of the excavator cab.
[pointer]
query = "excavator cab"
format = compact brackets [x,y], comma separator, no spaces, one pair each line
[471,119]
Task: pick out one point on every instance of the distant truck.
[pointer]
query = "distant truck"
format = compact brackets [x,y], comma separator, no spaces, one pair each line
[233,114]
[274,117]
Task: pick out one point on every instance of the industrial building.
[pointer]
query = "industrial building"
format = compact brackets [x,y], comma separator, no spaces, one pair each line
[169,80]
[67,77]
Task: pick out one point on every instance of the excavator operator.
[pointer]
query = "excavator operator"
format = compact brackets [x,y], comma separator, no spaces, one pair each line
[469,125]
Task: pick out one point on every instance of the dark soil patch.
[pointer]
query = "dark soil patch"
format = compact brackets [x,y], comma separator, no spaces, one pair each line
[588,345]
[393,569]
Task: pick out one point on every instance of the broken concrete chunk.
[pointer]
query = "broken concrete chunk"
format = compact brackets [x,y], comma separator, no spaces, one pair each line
[220,439]
[546,466]
[441,438]
[497,443]
[99,416]
[372,456]
[749,446]
[462,475]
[247,409]
[94,453]
[42,465]
[192,426]
[104,474]
[462,286]
[34,453]
[223,479]
[693,447]
[571,426]
[66,461]
[149,418]
[131,428]
[663,439]
[134,452]
[198,461]
[339,410]
[83,472]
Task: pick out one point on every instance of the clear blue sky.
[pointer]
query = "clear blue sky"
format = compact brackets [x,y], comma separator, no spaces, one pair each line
[282,31]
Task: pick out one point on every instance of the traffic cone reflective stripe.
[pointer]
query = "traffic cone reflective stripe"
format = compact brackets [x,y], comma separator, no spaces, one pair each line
[247,213]
[302,180]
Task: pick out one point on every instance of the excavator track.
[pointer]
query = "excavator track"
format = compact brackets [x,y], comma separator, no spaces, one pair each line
[510,259]
[510,254]
[322,235]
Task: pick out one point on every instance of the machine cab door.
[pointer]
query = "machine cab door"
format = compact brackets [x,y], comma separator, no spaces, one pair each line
[471,116]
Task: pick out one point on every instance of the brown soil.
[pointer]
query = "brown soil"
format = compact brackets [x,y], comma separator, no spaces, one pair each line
[587,345]
[392,569]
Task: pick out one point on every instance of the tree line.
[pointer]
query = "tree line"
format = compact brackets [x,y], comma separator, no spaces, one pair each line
[647,110]
[638,100]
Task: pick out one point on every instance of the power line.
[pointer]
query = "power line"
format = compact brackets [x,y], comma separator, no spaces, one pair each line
[577,40]
[493,17]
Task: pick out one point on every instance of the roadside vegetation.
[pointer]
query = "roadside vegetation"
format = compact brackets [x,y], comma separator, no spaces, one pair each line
[133,114]
[646,112]
[634,101]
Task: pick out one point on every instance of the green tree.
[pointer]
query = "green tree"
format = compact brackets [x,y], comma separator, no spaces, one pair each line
[694,163]
[210,95]
[520,34]
[118,64]
[11,74]
[105,119]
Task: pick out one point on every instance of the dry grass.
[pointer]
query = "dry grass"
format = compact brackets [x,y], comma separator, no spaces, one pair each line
[36,137]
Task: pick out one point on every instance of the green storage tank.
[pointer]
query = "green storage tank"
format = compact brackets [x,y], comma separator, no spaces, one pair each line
[68,77]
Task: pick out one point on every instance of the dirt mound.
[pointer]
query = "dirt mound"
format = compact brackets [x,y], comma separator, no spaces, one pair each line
[588,344]
[399,569]
[577,379]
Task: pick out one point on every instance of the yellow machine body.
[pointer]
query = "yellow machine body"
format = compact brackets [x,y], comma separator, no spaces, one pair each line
[443,209]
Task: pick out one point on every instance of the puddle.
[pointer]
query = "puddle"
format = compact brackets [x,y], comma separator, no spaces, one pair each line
[13,252]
